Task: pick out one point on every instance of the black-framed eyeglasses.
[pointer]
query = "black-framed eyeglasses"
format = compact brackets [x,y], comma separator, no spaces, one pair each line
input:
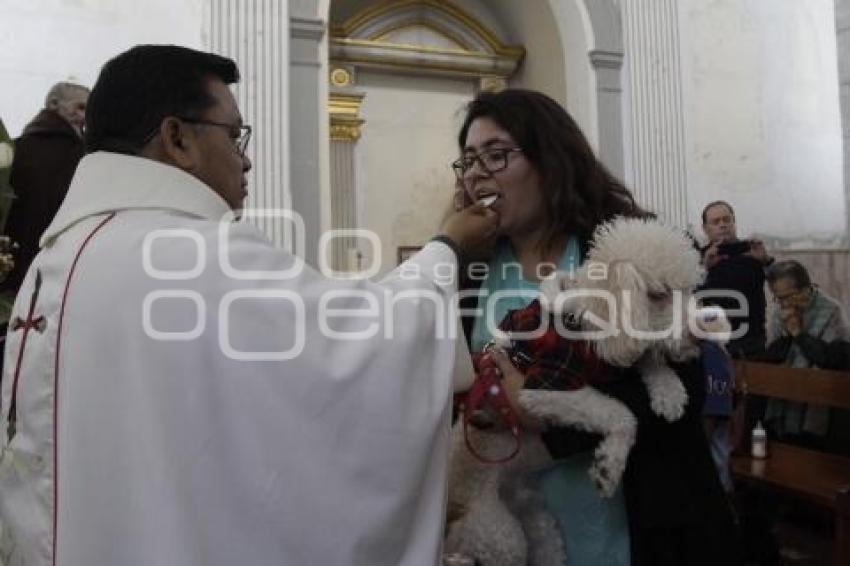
[490,160]
[793,295]
[241,135]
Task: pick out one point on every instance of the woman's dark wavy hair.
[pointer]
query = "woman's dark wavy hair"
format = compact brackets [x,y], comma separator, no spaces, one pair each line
[578,190]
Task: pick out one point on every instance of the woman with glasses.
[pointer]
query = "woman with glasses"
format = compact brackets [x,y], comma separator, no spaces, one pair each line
[524,155]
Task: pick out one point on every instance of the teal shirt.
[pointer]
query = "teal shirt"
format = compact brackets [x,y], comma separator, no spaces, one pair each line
[506,289]
[594,529]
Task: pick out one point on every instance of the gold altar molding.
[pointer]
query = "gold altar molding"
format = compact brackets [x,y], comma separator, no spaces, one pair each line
[384,37]
[344,114]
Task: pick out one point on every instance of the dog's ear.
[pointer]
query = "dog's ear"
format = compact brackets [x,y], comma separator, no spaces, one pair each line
[628,289]
[624,276]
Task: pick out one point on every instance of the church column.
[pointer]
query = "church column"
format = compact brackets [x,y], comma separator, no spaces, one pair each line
[256,35]
[345,131]
[607,65]
[657,142]
[307,95]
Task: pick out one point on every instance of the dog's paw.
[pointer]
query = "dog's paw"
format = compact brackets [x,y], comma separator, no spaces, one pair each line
[669,401]
[609,463]
[667,394]
[609,459]
[603,483]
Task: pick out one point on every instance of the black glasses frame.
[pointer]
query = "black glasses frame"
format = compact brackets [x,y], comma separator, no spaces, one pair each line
[241,141]
[464,164]
[797,293]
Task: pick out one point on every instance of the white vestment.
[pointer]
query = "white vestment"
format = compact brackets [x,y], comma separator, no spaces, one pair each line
[164,414]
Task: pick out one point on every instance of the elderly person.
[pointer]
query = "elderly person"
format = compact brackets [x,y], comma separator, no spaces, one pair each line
[809,329]
[46,156]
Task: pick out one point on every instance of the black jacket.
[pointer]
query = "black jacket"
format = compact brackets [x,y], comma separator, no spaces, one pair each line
[744,274]
[46,156]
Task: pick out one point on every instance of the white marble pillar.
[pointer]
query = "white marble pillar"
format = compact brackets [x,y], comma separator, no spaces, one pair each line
[308,98]
[255,34]
[607,65]
[842,28]
[656,144]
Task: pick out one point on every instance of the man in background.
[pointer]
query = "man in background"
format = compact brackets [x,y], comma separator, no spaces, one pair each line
[736,265]
[46,156]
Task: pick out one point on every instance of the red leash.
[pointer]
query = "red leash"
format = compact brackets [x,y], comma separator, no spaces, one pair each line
[487,392]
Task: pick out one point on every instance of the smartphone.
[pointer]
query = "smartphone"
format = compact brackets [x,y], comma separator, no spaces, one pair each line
[734,248]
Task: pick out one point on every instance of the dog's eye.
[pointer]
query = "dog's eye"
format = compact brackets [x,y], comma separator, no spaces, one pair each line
[658,296]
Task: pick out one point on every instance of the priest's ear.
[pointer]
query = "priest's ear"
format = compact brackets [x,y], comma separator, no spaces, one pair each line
[178,143]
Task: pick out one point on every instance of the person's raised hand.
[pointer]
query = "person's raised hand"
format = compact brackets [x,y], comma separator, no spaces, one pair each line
[792,319]
[713,256]
[513,381]
[758,251]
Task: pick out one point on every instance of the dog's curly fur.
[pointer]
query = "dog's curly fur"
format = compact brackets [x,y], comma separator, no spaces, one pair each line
[650,270]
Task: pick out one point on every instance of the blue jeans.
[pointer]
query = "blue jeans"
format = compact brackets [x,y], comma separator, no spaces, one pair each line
[718,429]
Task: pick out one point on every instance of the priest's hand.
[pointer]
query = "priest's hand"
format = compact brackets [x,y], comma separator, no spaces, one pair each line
[473,229]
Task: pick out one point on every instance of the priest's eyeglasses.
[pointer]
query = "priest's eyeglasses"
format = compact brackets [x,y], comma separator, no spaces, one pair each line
[490,160]
[241,135]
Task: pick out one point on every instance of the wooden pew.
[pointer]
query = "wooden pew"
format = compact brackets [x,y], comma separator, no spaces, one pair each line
[819,478]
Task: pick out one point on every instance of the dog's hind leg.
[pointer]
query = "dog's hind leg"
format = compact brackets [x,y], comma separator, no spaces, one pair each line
[590,410]
[545,544]
[490,534]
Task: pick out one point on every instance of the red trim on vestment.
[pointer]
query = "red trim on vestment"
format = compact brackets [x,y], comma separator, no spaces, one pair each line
[56,380]
[27,325]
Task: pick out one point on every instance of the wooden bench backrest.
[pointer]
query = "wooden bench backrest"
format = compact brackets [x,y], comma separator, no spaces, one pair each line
[817,386]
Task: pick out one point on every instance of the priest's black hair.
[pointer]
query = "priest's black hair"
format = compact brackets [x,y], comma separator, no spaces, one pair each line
[137,89]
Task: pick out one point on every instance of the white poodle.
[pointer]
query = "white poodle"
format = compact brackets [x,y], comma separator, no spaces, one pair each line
[630,301]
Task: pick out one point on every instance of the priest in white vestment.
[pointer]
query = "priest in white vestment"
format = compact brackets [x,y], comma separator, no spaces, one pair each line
[177,391]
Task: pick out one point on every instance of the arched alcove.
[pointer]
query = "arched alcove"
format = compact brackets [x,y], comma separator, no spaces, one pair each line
[400,73]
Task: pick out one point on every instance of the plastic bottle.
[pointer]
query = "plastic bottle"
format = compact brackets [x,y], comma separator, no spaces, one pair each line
[759,442]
